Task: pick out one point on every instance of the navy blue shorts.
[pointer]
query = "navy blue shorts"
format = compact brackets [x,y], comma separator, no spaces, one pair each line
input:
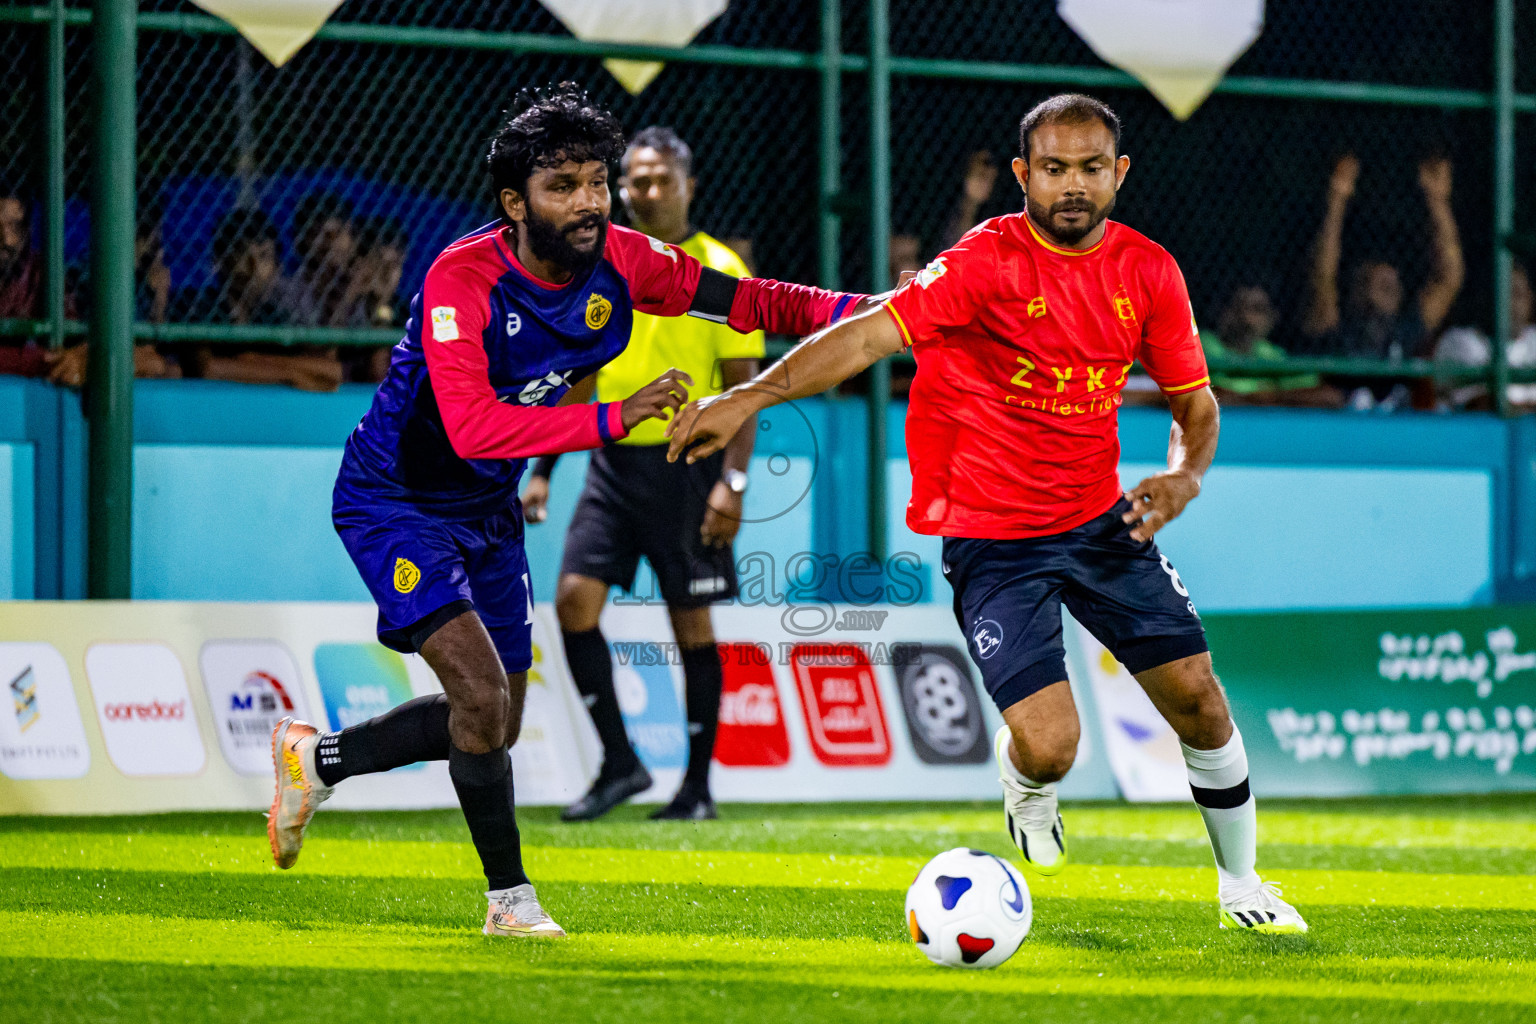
[423,570]
[1009,593]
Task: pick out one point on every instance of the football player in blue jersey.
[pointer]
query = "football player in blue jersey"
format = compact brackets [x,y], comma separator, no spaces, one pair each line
[511,324]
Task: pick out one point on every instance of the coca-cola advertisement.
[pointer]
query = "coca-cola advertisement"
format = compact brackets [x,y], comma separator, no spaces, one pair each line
[752,732]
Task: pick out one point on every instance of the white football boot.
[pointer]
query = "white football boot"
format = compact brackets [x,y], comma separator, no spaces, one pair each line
[1034,823]
[1262,910]
[299,789]
[516,913]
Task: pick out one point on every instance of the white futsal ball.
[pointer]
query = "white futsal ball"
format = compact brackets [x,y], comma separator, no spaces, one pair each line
[967,908]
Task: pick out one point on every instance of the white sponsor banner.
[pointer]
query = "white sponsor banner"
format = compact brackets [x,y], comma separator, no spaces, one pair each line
[41,735]
[252,685]
[820,702]
[146,714]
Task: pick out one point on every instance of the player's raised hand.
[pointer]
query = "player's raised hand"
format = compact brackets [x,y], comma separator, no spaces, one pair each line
[657,400]
[706,426]
[1157,501]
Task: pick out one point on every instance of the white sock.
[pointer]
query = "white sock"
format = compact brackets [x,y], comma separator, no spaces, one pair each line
[1219,779]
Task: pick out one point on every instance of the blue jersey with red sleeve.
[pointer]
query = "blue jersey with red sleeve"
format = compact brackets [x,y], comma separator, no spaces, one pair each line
[489,350]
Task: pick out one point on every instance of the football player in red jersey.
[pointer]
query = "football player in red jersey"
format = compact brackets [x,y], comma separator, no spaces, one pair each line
[1024,333]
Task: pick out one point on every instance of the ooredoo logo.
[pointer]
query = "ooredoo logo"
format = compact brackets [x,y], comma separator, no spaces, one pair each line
[41,735]
[154,711]
[251,685]
[752,732]
[145,709]
[842,705]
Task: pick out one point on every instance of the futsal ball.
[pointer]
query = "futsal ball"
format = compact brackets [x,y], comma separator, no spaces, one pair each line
[967,908]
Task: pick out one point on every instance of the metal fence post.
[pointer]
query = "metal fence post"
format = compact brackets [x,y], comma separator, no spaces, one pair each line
[1503,191]
[879,255]
[828,238]
[54,205]
[110,395]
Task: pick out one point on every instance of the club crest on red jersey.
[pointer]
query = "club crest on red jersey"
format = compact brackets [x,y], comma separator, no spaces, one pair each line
[1123,308]
[1036,307]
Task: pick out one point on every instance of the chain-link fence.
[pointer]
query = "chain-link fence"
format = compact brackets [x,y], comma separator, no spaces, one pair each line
[345,171]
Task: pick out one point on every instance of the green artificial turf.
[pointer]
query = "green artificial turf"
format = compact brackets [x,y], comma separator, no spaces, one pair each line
[1420,910]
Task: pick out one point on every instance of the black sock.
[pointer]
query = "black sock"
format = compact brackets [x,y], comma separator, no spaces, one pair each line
[701,685]
[484,785]
[415,731]
[592,669]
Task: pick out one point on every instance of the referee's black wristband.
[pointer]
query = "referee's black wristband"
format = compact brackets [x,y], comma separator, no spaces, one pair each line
[545,466]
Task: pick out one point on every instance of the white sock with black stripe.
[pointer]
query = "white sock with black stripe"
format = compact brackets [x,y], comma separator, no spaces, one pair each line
[1219,780]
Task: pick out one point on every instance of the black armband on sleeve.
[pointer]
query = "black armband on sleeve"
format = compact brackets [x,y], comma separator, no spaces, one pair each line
[712,300]
[545,466]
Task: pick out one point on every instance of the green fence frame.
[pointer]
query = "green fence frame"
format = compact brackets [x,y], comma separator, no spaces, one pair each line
[112,332]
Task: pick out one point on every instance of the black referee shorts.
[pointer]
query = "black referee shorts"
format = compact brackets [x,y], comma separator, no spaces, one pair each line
[1009,593]
[637,503]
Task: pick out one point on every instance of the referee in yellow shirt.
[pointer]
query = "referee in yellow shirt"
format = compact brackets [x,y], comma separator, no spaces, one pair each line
[682,518]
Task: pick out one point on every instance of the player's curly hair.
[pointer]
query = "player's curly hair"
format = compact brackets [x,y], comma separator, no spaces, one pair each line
[548,127]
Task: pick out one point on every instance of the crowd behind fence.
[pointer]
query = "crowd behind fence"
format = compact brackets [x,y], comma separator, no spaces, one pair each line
[1334,201]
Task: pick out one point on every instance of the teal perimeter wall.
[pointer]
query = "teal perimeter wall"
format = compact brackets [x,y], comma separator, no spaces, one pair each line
[1303,510]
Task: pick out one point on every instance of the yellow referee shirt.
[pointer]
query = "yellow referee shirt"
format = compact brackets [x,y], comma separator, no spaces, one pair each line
[658,343]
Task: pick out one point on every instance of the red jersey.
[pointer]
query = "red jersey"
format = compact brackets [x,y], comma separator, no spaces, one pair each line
[1022,350]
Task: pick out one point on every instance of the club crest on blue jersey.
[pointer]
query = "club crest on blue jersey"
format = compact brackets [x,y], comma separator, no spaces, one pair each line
[598,309]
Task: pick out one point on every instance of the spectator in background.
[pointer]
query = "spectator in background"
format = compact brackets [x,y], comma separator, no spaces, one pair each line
[253,290]
[21,286]
[978,199]
[375,285]
[1468,346]
[326,242]
[152,278]
[1243,329]
[1374,322]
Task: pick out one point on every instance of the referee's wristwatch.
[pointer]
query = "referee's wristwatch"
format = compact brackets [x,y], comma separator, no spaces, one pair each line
[736,480]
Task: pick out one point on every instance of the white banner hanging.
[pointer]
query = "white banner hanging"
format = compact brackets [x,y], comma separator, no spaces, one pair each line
[278,28]
[1179,49]
[662,22]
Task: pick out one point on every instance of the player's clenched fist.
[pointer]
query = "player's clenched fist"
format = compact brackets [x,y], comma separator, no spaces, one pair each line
[666,394]
[708,425]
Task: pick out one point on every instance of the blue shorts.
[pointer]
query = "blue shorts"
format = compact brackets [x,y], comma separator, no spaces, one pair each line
[1009,593]
[423,570]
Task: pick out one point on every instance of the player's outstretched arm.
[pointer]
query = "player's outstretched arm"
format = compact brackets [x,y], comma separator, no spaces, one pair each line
[1160,498]
[665,281]
[821,361]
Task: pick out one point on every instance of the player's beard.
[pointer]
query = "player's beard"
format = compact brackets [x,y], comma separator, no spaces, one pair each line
[1044,218]
[550,243]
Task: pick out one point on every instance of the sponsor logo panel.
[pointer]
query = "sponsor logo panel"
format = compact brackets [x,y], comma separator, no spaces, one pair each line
[359,681]
[145,709]
[842,706]
[752,732]
[652,716]
[251,685]
[41,734]
[943,713]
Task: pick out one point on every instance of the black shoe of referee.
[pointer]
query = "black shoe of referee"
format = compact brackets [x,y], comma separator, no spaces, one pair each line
[689,805]
[607,792]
